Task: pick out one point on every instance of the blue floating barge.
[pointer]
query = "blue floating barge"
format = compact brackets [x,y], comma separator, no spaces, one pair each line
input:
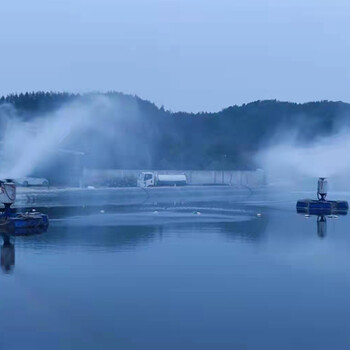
[313,206]
[23,222]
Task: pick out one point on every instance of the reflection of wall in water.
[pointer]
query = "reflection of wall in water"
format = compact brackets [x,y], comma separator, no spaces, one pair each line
[252,230]
[249,230]
[106,237]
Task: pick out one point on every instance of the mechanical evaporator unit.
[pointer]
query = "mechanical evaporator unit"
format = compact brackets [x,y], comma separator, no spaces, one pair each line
[322,186]
[12,222]
[321,205]
[7,193]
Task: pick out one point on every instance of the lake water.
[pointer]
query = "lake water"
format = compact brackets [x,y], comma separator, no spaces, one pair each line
[249,273]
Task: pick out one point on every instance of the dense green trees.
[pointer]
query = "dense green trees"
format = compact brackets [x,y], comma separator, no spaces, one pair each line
[157,138]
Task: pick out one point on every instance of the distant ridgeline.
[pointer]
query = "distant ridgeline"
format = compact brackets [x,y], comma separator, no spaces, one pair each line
[141,135]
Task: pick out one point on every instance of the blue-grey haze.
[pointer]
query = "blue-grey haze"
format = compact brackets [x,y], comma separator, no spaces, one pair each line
[186,54]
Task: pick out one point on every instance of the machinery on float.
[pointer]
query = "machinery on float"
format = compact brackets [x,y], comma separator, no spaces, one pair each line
[14,222]
[322,186]
[321,205]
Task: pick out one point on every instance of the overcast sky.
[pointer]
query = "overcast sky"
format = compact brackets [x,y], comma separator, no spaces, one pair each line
[191,55]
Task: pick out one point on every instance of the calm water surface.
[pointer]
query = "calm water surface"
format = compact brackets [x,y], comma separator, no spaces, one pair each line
[250,274]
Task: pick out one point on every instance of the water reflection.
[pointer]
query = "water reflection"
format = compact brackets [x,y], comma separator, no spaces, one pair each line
[8,245]
[95,238]
[7,254]
[321,226]
[321,220]
[248,230]
[132,278]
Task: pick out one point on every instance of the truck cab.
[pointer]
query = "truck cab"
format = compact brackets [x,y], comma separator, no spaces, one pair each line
[146,179]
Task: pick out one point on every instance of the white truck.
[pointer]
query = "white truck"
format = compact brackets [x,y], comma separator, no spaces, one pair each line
[147,179]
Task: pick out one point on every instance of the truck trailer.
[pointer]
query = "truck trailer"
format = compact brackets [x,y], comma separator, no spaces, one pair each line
[147,179]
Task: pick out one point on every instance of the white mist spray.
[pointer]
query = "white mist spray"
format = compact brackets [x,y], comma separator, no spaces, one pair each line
[289,162]
[27,145]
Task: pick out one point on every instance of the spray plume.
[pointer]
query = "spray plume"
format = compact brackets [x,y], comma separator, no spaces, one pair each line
[28,145]
[289,161]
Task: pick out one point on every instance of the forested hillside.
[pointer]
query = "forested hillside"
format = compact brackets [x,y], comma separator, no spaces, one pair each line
[147,136]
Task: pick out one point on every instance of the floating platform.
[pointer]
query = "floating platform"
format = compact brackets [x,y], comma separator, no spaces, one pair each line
[322,207]
[23,222]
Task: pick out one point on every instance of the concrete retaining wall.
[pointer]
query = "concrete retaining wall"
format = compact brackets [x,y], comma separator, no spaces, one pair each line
[254,178]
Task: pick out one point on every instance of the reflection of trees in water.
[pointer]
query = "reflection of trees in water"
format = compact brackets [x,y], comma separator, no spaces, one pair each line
[105,237]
